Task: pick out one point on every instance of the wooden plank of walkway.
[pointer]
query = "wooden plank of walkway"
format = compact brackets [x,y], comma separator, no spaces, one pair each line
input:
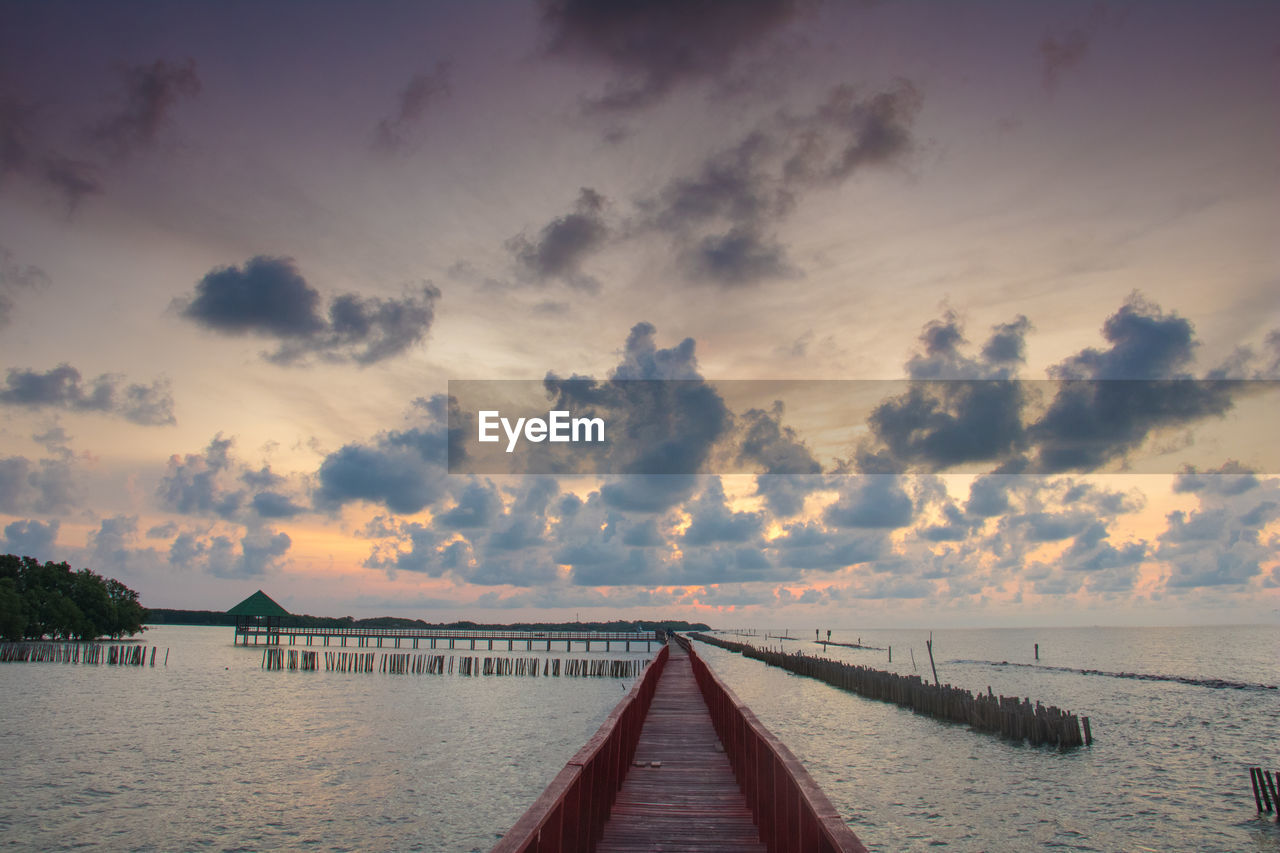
[690,803]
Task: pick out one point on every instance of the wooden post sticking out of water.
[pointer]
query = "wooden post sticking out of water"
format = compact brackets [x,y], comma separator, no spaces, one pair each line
[1037,651]
[891,654]
[929,644]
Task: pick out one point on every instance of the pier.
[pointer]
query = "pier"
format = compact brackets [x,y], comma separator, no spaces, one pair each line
[444,638]
[681,764]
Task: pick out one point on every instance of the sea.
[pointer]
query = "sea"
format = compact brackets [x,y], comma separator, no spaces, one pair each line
[213,752]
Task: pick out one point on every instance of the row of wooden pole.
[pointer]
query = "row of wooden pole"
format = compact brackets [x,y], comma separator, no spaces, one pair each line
[1007,717]
[1264,790]
[92,654]
[399,663]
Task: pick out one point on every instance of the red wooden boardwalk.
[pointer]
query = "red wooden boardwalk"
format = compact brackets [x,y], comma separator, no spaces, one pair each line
[692,801]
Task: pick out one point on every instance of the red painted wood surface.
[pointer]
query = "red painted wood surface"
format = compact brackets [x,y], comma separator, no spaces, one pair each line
[570,814]
[793,813]
[692,801]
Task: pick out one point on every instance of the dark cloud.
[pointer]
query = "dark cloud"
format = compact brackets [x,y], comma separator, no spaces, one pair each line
[1111,400]
[275,505]
[15,277]
[476,504]
[808,545]
[722,218]
[110,544]
[564,243]
[270,298]
[61,388]
[874,501]
[654,46]
[712,522]
[1227,480]
[150,94]
[958,408]
[847,132]
[395,132]
[405,471]
[787,466]
[667,418]
[30,538]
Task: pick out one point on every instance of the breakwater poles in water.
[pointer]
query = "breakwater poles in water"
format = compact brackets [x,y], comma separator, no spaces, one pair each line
[1264,790]
[1007,717]
[90,654]
[405,663]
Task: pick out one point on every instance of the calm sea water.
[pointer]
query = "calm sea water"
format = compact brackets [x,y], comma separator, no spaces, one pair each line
[212,753]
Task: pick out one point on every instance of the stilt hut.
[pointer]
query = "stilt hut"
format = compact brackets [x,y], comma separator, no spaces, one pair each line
[258,617]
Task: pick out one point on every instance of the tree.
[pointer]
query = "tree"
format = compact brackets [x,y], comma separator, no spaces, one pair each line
[50,600]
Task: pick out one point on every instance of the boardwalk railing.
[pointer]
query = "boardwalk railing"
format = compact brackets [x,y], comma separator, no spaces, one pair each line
[365,636]
[570,814]
[791,811]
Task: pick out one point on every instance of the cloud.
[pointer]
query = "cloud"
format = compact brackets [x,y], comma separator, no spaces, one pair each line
[877,501]
[268,297]
[958,408]
[671,426]
[260,550]
[405,471]
[712,522]
[26,152]
[563,244]
[1111,399]
[44,486]
[30,538]
[787,466]
[653,47]
[215,484]
[395,132]
[722,217]
[151,92]
[61,388]
[15,277]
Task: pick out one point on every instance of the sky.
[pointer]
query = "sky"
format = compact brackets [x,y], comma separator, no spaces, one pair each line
[245,247]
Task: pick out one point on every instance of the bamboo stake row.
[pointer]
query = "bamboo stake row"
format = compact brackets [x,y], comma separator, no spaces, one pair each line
[1005,716]
[90,654]
[399,663]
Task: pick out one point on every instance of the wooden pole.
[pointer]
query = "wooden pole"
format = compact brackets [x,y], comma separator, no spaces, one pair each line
[929,644]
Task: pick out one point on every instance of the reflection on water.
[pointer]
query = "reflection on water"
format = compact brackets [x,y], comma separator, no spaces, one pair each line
[214,753]
[1168,770]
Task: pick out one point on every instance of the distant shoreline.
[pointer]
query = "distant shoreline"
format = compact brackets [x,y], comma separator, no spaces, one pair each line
[171,616]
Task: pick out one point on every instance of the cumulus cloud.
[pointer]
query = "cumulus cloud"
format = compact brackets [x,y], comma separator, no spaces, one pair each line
[30,538]
[1222,542]
[260,550]
[652,47]
[216,484]
[1102,405]
[1110,400]
[61,388]
[269,298]
[563,244]
[151,92]
[671,418]
[403,470]
[395,132]
[43,486]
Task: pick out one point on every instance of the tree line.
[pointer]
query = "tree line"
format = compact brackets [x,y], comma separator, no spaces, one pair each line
[51,600]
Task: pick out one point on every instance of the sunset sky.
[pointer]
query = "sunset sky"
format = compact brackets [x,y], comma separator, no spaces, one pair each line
[244,247]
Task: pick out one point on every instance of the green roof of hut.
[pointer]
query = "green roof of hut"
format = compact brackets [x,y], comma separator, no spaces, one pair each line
[258,604]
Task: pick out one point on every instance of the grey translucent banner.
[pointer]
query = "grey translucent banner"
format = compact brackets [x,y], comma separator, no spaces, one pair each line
[809,427]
